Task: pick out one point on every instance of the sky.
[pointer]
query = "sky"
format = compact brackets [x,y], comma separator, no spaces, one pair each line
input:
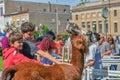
[64,2]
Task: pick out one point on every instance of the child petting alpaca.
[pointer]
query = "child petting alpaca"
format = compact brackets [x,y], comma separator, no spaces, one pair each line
[12,55]
[46,45]
[29,48]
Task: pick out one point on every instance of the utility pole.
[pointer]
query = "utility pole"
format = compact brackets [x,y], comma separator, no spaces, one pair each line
[105,15]
[56,18]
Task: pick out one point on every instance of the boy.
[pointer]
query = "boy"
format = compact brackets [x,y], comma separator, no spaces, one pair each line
[29,48]
[12,55]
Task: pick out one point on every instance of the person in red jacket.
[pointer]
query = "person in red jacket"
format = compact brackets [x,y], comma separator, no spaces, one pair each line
[11,55]
[59,44]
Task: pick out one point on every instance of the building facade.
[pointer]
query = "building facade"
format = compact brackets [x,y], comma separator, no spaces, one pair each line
[88,16]
[37,17]
[52,15]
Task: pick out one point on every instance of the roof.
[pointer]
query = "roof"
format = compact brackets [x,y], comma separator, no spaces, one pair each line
[16,13]
[39,2]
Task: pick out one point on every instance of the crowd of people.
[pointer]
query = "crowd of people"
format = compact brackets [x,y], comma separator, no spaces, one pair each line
[19,47]
[104,47]
[22,46]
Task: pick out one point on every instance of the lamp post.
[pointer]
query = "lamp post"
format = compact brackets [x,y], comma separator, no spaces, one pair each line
[105,14]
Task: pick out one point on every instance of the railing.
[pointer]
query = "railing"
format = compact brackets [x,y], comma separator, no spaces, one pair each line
[110,60]
[107,61]
[105,73]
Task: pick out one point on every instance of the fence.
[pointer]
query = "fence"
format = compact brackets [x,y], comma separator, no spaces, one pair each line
[106,73]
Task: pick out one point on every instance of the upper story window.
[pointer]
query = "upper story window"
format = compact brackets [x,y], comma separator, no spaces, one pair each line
[64,10]
[44,10]
[55,10]
[115,12]
[20,8]
[76,17]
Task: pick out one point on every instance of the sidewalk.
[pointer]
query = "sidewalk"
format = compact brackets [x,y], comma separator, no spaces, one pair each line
[0,74]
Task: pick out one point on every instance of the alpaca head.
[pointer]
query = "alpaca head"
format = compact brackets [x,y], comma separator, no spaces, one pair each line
[79,42]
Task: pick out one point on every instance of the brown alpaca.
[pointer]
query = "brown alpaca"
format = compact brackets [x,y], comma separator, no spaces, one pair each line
[33,71]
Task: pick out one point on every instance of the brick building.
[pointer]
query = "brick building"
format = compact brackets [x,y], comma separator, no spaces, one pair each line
[51,15]
[88,15]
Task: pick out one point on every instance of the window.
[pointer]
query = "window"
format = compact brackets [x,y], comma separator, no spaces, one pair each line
[76,17]
[17,22]
[64,10]
[44,10]
[115,27]
[94,26]
[7,23]
[115,12]
[20,8]
[83,24]
[1,11]
[88,25]
[100,26]
[23,20]
[55,10]
[53,21]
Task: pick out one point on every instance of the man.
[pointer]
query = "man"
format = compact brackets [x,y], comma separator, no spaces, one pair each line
[93,58]
[105,48]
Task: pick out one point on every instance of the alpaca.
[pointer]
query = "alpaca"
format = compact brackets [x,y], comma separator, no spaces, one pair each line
[34,71]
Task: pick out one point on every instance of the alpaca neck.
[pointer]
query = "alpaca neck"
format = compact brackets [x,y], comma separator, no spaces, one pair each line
[77,58]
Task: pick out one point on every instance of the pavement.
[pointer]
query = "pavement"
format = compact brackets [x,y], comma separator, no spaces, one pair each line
[0,75]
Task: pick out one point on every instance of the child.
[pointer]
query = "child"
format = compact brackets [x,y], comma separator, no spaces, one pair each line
[59,44]
[29,48]
[12,55]
[47,45]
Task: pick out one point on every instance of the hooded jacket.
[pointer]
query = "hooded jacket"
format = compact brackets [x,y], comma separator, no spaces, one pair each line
[12,57]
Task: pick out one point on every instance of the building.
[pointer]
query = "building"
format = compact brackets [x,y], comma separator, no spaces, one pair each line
[52,15]
[88,16]
[17,18]
[37,17]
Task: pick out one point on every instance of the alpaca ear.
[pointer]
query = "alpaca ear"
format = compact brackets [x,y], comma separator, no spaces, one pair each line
[69,31]
[75,32]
